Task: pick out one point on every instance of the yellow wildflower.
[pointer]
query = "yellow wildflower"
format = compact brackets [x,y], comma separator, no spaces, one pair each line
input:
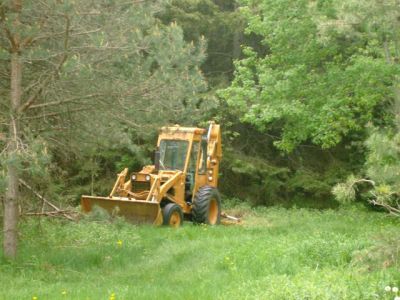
[119,243]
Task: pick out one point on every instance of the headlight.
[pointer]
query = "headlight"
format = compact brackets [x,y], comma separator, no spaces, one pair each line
[133,177]
[147,177]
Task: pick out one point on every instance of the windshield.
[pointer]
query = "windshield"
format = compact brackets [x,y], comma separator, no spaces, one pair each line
[173,154]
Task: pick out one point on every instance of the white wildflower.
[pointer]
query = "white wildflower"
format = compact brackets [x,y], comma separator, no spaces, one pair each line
[395,289]
[397,298]
[388,288]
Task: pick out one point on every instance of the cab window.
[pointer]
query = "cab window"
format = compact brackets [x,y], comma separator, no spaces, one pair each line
[173,154]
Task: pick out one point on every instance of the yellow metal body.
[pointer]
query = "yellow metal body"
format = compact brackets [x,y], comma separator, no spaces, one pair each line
[140,198]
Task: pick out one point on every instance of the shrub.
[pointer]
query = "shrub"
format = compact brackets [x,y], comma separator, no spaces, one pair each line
[382,173]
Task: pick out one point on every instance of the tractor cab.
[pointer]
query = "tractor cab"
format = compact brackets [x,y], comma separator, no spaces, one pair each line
[180,150]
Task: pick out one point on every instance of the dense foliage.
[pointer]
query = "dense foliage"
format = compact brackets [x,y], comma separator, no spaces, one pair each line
[311,76]
[329,71]
[317,83]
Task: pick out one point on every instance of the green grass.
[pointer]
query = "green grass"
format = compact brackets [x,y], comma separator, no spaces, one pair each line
[275,254]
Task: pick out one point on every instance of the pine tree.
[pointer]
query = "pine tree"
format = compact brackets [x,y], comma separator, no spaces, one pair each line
[86,76]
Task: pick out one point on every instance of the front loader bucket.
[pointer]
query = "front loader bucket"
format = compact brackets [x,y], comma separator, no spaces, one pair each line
[134,211]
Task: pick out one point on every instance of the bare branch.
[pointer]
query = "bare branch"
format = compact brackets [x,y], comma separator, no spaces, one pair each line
[44,199]
[364,180]
[54,103]
[52,36]
[11,38]
[55,114]
[35,95]
[124,120]
[392,210]
[103,48]
[85,32]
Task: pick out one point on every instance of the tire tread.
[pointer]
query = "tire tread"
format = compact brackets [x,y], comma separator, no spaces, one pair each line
[201,204]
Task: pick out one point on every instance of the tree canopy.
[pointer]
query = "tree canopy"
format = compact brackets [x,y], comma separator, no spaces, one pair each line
[325,76]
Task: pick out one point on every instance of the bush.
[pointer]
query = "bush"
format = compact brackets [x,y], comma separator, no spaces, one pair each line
[381,173]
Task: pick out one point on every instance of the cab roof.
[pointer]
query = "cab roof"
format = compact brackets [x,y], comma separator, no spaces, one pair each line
[178,129]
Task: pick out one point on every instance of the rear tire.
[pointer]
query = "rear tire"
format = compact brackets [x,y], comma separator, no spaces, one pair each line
[172,215]
[207,206]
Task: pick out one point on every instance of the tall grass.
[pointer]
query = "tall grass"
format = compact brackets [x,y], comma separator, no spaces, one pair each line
[275,254]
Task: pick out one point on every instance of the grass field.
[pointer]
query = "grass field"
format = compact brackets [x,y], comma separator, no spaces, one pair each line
[275,254]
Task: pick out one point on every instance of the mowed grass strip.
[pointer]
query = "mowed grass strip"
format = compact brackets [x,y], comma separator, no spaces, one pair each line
[275,253]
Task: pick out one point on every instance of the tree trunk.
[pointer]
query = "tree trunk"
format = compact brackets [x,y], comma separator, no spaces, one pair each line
[12,193]
[237,39]
[396,103]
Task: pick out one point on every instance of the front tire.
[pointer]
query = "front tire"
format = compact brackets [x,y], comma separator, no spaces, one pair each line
[172,215]
[207,206]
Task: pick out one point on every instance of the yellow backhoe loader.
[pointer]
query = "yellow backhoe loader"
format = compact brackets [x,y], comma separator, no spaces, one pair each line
[182,182]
